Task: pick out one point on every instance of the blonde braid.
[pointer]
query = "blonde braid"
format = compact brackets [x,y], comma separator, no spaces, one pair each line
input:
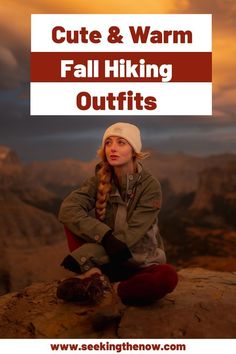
[104,184]
[104,188]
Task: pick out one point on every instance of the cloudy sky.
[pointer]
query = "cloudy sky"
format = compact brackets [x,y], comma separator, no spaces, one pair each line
[44,138]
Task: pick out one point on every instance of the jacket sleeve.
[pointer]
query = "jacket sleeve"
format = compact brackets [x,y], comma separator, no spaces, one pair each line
[143,216]
[74,213]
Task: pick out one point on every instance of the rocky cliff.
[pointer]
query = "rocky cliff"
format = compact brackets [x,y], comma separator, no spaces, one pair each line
[216,192]
[202,306]
[200,225]
[31,238]
[183,170]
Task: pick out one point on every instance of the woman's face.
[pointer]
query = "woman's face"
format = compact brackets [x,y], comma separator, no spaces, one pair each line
[118,151]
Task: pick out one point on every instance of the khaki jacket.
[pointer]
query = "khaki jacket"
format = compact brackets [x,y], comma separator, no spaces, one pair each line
[131,214]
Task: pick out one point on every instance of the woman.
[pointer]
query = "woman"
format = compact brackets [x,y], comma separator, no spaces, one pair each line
[122,239]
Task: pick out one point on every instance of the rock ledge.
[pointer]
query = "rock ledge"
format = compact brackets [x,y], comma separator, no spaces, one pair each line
[202,306]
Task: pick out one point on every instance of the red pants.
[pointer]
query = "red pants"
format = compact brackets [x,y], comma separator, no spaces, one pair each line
[149,284]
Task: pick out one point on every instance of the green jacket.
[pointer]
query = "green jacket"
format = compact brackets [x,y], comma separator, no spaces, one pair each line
[131,214]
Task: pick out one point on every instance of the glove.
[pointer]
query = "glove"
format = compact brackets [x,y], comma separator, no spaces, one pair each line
[71,264]
[117,250]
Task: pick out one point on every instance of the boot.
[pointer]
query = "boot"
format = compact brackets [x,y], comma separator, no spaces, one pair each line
[87,290]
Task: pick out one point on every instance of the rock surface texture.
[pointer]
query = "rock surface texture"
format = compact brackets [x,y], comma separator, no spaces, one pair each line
[202,306]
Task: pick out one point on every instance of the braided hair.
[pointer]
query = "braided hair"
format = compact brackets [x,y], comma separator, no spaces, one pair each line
[104,185]
[105,175]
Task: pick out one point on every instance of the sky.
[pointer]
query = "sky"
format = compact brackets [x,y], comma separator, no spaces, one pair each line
[47,138]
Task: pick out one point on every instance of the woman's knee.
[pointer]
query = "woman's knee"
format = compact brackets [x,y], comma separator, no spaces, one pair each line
[151,283]
[166,277]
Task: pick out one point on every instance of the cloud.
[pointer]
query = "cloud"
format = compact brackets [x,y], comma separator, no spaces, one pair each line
[12,73]
[124,6]
[223,12]
[7,58]
[224,53]
[107,6]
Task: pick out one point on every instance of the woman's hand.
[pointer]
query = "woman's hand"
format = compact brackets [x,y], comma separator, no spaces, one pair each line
[117,250]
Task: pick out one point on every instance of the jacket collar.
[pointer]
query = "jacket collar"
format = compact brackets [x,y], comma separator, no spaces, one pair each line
[128,184]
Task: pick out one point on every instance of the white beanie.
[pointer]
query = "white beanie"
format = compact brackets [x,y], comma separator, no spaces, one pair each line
[128,131]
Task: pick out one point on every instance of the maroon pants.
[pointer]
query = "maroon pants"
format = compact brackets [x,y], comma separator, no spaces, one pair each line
[149,284]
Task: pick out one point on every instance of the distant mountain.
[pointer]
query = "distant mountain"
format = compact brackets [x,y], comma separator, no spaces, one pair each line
[23,225]
[59,176]
[182,170]
[27,225]
[200,225]
[216,192]
[8,157]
